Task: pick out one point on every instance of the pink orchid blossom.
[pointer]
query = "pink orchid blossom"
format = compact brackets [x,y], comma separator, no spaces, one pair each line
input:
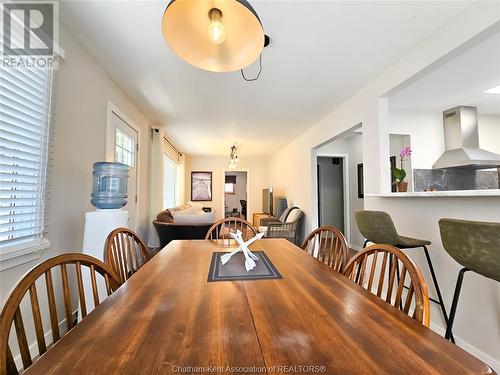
[405,153]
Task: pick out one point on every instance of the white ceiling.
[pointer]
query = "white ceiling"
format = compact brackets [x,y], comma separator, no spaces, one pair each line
[321,53]
[460,81]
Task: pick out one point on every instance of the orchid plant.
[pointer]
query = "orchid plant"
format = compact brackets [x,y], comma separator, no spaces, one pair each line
[399,173]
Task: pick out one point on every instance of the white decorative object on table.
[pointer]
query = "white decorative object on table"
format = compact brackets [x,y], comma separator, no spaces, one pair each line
[243,246]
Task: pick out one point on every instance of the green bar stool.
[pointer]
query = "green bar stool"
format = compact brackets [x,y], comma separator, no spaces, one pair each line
[475,245]
[378,227]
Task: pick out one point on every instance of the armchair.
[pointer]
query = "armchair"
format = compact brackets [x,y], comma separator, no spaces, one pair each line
[287,226]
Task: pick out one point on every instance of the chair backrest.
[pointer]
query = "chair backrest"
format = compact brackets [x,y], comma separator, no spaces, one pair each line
[328,245]
[377,226]
[243,207]
[473,244]
[125,253]
[11,312]
[392,271]
[220,230]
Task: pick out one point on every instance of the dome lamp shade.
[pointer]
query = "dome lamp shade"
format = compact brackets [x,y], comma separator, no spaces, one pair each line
[214,35]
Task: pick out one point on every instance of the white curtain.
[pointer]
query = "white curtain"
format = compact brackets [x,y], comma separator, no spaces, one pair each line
[181,178]
[160,147]
[156,187]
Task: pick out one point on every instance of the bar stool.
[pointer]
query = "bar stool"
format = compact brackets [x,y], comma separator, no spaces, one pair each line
[378,227]
[475,245]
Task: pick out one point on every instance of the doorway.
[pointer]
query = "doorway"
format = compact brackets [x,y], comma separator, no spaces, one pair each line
[343,197]
[235,194]
[331,180]
[122,146]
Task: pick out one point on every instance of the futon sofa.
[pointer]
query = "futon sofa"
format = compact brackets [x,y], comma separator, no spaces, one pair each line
[184,222]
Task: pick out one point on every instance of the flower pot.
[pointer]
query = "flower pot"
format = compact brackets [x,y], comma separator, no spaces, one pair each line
[402,186]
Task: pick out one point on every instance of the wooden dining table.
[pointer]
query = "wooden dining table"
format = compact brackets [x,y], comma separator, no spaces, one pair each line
[168,319]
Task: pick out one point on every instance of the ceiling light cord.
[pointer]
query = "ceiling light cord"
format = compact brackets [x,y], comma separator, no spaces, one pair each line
[258,74]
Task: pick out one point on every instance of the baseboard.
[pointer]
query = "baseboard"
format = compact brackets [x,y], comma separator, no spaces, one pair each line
[33,347]
[355,246]
[486,358]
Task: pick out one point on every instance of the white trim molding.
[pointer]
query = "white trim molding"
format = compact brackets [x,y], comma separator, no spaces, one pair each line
[22,253]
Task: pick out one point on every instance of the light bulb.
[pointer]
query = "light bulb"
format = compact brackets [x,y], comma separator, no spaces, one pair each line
[216,30]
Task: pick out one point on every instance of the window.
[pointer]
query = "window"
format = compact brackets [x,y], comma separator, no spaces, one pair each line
[230,184]
[124,148]
[169,182]
[229,188]
[25,102]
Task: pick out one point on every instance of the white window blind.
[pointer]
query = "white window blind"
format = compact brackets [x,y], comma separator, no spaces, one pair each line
[169,182]
[25,102]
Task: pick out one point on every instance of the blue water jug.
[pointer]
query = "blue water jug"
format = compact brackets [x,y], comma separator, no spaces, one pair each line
[109,185]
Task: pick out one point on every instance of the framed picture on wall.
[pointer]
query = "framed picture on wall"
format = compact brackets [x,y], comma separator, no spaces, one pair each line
[361,189]
[201,186]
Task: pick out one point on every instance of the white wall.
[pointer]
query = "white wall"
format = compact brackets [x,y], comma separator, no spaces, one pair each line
[489,132]
[82,89]
[257,173]
[425,129]
[478,318]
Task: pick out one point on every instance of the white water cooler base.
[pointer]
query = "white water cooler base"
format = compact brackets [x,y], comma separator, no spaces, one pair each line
[98,224]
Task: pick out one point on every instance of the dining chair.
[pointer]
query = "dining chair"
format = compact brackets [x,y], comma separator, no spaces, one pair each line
[328,245]
[378,227]
[125,253]
[11,311]
[219,231]
[365,267]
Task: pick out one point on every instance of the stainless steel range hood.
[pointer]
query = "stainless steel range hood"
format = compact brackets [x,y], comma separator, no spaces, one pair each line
[462,142]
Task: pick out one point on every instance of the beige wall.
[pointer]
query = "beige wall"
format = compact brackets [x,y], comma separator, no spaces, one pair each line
[477,326]
[257,174]
[81,92]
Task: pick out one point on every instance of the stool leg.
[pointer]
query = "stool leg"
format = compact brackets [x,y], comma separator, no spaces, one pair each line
[397,277]
[454,304]
[438,291]
[359,268]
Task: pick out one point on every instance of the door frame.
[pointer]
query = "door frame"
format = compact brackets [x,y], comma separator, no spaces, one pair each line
[110,150]
[224,195]
[347,205]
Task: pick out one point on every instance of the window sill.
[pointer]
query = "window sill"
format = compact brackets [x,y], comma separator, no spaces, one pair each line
[22,253]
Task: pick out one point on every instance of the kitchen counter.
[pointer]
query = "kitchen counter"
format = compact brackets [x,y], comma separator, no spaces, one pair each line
[433,194]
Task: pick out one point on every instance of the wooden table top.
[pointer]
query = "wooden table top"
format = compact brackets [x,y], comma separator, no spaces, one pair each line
[167,318]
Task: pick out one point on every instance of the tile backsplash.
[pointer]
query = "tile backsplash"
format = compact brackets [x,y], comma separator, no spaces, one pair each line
[455,179]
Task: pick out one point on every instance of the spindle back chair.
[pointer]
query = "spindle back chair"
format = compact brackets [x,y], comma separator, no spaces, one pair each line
[11,312]
[220,231]
[392,272]
[329,246]
[125,253]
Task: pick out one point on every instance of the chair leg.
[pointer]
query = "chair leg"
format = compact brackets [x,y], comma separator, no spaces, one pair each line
[454,304]
[438,291]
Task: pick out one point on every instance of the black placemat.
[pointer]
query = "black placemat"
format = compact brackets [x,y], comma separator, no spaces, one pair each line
[234,269]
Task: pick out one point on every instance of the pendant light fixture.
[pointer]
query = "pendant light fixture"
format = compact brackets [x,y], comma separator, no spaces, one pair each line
[233,158]
[214,35]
